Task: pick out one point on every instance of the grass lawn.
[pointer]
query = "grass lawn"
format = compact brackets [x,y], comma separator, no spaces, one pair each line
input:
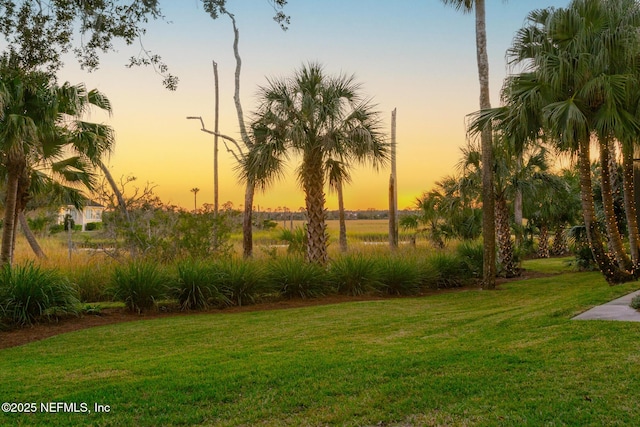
[505,357]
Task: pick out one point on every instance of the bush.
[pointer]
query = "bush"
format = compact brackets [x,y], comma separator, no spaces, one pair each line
[450,269]
[241,282]
[139,285]
[400,276]
[29,294]
[91,281]
[635,302]
[196,286]
[295,278]
[54,229]
[296,238]
[354,274]
[471,254]
[92,226]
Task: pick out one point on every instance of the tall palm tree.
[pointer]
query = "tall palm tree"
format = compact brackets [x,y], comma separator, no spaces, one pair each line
[569,51]
[488,204]
[40,121]
[321,118]
[28,116]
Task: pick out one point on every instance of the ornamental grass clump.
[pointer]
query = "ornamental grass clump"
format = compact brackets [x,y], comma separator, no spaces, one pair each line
[196,288]
[471,255]
[139,284]
[451,270]
[635,302]
[295,278]
[400,275]
[241,282]
[91,281]
[355,274]
[30,294]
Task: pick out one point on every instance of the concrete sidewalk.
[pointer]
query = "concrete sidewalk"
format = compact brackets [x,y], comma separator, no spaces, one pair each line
[618,309]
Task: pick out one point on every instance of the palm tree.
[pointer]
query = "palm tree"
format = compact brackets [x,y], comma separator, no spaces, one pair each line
[195,197]
[570,52]
[40,121]
[488,204]
[28,117]
[321,118]
[56,182]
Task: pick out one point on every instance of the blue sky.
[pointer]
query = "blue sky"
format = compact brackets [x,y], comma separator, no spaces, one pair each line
[414,55]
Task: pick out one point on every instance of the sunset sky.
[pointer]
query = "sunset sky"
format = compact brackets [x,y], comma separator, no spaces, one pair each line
[414,55]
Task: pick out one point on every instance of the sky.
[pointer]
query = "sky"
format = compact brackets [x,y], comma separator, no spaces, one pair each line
[417,56]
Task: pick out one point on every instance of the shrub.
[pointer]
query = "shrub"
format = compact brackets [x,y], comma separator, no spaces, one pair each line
[450,269]
[54,229]
[242,282]
[400,276]
[295,278]
[91,281]
[29,294]
[354,274]
[92,226]
[139,285]
[471,254]
[635,302]
[296,238]
[196,286]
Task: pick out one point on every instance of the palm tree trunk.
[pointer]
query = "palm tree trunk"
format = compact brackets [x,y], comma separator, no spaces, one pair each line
[505,246]
[488,203]
[611,272]
[31,238]
[611,222]
[313,185]
[247,225]
[8,225]
[559,242]
[543,242]
[343,224]
[629,204]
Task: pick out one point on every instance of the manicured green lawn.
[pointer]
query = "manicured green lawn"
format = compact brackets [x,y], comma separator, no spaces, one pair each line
[506,357]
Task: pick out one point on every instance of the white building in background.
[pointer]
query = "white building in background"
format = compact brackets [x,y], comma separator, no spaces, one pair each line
[92,212]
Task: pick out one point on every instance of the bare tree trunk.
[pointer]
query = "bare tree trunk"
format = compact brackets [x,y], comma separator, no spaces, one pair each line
[31,238]
[343,224]
[247,231]
[215,156]
[393,235]
[488,198]
[114,186]
[393,188]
